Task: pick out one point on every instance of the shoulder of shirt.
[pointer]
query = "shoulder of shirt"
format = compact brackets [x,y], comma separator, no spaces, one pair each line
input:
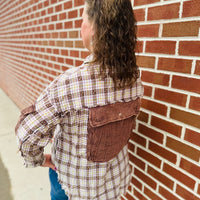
[68,83]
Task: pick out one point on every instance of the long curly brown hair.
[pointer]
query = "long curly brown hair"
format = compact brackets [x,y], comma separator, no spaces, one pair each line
[114,41]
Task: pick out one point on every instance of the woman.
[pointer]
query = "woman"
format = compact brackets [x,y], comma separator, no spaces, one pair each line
[89,110]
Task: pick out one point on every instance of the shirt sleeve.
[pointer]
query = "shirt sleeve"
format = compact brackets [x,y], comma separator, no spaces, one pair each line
[35,129]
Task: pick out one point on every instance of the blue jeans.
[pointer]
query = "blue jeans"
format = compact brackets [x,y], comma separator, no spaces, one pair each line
[57,193]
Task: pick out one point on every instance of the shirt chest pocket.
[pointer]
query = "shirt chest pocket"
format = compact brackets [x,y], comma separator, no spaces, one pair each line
[109,129]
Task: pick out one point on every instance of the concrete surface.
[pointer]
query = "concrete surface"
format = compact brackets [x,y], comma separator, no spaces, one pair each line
[16,181]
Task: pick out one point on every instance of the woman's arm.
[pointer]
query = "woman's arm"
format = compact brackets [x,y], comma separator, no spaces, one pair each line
[35,129]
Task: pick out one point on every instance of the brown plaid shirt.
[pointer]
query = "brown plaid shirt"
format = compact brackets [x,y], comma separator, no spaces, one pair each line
[61,112]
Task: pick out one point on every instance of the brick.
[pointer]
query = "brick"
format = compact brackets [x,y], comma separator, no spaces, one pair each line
[50,78]
[58,8]
[190,167]
[64,68]
[143,2]
[136,183]
[59,26]
[139,195]
[170,97]
[131,147]
[43,13]
[81,11]
[170,11]
[78,63]
[47,35]
[78,2]
[192,137]
[167,126]
[60,43]
[129,197]
[185,193]
[63,35]
[154,106]
[147,90]
[46,3]
[53,58]
[54,18]
[146,62]
[68,25]
[84,54]
[151,30]
[160,177]
[74,53]
[183,178]
[62,16]
[139,14]
[149,157]
[72,14]
[139,46]
[163,47]
[50,10]
[79,44]
[194,103]
[155,78]
[68,5]
[151,194]
[143,116]
[163,152]
[183,149]
[197,68]
[186,83]
[49,50]
[130,188]
[181,29]
[185,117]
[137,162]
[56,51]
[78,23]
[175,65]
[69,61]
[168,195]
[191,8]
[138,139]
[53,1]
[198,191]
[57,67]
[60,60]
[51,26]
[68,43]
[189,48]
[73,34]
[150,133]
[37,14]
[142,176]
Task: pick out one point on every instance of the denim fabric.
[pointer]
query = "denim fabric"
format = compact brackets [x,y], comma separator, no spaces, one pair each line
[57,193]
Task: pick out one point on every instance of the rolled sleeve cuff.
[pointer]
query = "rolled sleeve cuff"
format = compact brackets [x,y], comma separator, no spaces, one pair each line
[36,161]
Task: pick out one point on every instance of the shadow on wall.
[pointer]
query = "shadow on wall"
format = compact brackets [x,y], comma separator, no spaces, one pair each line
[5,185]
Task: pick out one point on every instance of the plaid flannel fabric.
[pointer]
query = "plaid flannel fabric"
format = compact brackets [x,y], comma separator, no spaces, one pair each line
[61,112]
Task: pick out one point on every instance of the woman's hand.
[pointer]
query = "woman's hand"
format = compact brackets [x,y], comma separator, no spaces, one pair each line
[48,162]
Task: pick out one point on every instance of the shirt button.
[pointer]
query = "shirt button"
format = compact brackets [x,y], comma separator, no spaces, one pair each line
[120,114]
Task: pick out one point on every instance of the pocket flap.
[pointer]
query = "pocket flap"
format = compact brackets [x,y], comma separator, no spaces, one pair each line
[102,115]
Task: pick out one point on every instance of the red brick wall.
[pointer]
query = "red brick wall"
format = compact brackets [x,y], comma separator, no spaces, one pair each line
[41,39]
